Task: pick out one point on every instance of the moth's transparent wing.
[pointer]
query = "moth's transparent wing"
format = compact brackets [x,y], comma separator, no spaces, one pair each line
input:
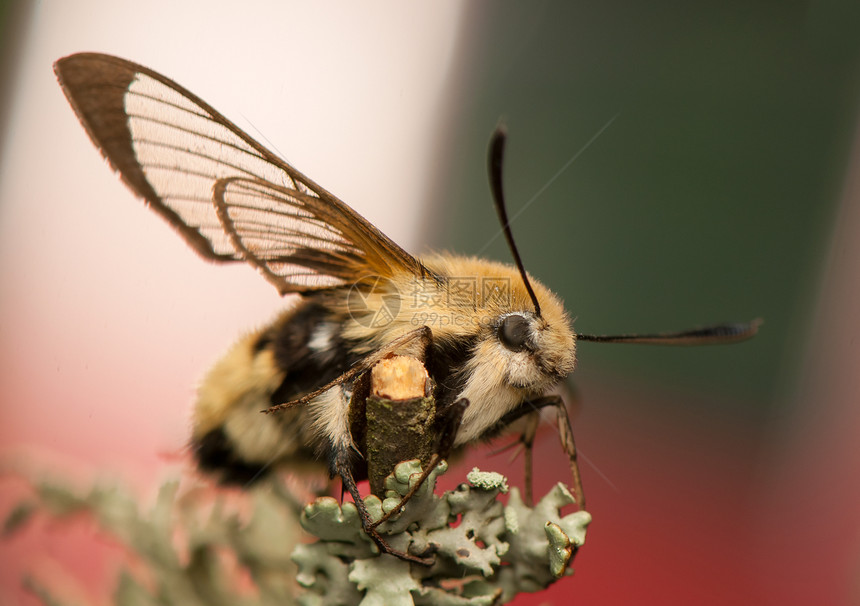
[228,196]
[261,218]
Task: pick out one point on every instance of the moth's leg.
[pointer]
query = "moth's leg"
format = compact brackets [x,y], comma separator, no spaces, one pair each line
[528,439]
[423,335]
[572,402]
[571,396]
[565,433]
[450,423]
[531,410]
[342,466]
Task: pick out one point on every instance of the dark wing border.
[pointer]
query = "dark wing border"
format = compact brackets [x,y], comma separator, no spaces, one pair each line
[96,84]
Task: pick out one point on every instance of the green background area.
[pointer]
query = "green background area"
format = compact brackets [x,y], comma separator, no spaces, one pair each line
[710,196]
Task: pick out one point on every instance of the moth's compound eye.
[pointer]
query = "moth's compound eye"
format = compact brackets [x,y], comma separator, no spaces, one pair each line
[514,332]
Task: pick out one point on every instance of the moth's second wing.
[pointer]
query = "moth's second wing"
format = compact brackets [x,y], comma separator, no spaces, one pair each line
[285,233]
[228,196]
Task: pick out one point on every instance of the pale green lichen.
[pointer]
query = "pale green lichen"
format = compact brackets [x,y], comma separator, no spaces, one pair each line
[195,549]
[560,549]
[485,552]
[488,480]
[512,522]
[388,585]
[180,544]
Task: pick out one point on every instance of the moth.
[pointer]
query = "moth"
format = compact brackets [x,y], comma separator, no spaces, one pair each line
[494,340]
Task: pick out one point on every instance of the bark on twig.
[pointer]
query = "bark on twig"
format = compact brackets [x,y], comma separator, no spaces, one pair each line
[400,418]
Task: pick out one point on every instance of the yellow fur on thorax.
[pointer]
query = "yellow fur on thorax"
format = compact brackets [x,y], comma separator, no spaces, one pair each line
[477,310]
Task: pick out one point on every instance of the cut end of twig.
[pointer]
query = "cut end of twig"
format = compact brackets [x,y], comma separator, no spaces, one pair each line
[399,378]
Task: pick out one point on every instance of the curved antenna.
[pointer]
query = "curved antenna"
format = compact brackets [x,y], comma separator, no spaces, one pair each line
[707,335]
[496,155]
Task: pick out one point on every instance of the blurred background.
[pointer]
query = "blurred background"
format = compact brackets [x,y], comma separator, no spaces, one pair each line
[669,164]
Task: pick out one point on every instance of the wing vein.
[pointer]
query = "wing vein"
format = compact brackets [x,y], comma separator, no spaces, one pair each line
[229,196]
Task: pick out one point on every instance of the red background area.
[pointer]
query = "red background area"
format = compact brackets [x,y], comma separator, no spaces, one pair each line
[680,511]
